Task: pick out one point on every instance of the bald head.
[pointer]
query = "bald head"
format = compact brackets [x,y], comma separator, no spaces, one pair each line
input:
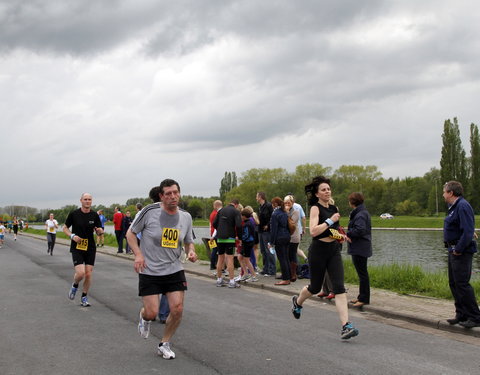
[86,202]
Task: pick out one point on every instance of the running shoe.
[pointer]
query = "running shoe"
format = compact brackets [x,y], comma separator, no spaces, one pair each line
[348,331]
[233,285]
[238,278]
[85,302]
[252,279]
[221,282]
[296,308]
[71,294]
[165,351]
[143,326]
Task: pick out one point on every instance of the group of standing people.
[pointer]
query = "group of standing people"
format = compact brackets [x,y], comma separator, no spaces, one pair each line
[161,231]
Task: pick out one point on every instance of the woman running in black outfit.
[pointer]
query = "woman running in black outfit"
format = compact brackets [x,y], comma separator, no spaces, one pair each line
[324,254]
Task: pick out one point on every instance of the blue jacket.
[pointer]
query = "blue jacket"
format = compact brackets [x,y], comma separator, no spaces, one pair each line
[459,226]
[360,232]
[279,226]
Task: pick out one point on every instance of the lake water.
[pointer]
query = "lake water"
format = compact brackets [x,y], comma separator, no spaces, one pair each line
[416,247]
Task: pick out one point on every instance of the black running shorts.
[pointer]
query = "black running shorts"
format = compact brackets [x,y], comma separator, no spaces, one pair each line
[83,257]
[151,285]
[225,248]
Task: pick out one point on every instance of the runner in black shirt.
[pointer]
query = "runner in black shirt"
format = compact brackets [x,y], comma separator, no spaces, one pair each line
[83,222]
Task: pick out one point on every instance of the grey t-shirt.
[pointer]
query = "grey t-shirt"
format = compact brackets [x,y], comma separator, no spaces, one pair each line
[162,238]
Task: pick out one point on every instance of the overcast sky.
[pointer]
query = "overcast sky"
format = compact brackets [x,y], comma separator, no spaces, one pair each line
[111,97]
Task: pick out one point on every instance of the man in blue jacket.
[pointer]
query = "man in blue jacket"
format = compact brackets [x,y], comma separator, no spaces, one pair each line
[458,234]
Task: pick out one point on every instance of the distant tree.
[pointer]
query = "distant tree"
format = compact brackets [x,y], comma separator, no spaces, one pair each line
[474,183]
[435,202]
[453,163]
[229,181]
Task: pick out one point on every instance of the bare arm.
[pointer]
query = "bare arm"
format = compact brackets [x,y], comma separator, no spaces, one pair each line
[69,234]
[190,251]
[139,263]
[316,229]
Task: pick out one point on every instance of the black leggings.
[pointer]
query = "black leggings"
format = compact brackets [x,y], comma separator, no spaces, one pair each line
[325,256]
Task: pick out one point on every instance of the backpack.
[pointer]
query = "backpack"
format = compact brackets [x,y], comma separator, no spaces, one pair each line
[292,226]
[304,272]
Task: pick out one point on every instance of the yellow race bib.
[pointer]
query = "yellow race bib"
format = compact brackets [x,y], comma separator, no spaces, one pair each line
[212,243]
[170,238]
[51,229]
[83,244]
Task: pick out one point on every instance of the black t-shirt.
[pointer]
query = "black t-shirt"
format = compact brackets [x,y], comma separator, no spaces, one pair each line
[83,225]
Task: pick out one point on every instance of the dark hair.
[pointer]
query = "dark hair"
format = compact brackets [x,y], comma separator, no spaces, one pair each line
[277,201]
[262,195]
[235,201]
[167,183]
[455,187]
[138,206]
[154,194]
[356,199]
[246,212]
[312,189]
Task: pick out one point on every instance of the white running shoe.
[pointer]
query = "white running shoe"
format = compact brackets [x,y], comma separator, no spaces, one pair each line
[143,326]
[252,279]
[85,302]
[238,278]
[233,285]
[165,351]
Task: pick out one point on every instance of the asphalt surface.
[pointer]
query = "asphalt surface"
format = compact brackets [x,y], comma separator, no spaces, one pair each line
[224,331]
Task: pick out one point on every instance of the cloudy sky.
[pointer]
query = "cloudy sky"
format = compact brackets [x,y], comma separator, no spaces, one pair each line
[111,97]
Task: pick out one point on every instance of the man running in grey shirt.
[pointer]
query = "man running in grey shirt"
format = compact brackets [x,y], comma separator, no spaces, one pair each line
[165,228]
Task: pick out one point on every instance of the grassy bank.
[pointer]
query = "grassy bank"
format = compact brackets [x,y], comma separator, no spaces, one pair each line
[406,279]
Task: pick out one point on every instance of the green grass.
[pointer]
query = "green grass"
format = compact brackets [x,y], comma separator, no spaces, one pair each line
[406,279]
[411,221]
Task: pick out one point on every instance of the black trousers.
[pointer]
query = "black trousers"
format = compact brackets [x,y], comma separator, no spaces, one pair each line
[459,272]
[325,257]
[119,236]
[281,247]
[360,264]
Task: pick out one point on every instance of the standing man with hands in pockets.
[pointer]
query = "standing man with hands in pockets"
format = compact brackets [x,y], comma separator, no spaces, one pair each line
[84,222]
[165,228]
[458,234]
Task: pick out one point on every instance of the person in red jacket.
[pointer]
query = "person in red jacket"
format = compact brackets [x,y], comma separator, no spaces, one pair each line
[118,223]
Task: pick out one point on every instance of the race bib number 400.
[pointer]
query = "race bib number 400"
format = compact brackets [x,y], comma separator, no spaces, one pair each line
[83,244]
[170,238]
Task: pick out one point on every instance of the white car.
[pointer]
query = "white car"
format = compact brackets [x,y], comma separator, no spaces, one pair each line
[386,216]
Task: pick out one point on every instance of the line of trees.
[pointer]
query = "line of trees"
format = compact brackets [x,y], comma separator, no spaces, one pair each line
[399,196]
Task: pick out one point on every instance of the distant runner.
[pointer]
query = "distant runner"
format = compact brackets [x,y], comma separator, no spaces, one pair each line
[84,222]
[51,226]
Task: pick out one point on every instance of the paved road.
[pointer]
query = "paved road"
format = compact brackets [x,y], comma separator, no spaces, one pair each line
[242,331]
